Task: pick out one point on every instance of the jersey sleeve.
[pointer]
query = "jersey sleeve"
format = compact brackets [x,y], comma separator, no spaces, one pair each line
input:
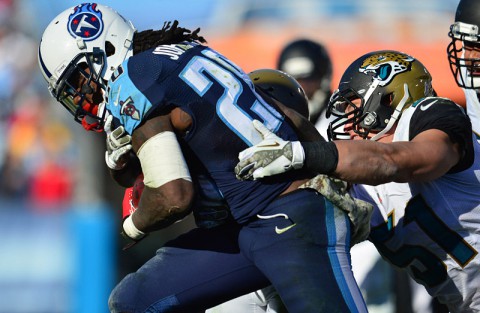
[443,114]
[134,92]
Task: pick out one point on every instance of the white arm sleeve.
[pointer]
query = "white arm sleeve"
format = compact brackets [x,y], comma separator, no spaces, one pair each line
[162,160]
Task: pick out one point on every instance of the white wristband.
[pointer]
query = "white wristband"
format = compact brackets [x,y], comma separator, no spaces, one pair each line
[130,229]
[298,155]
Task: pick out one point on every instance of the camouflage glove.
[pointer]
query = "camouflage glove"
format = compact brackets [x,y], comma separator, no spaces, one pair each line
[335,191]
[271,156]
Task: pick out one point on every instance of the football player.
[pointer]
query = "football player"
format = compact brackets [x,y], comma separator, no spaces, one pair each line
[411,154]
[464,56]
[284,88]
[184,103]
[309,63]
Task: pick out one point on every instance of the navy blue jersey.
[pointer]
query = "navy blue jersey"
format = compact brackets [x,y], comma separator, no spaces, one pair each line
[222,102]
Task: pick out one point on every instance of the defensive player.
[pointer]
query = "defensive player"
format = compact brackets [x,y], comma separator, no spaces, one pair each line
[418,165]
[184,103]
[464,56]
[309,63]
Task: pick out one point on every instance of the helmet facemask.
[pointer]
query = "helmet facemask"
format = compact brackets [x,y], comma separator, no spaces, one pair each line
[345,112]
[465,70]
[85,69]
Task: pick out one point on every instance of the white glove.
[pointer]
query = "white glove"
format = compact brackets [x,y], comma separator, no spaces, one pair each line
[271,156]
[118,145]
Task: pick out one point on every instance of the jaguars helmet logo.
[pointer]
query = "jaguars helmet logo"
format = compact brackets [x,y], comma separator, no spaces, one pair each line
[385,66]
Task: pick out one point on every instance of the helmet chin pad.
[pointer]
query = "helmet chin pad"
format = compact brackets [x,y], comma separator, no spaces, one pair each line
[90,121]
[88,116]
[95,126]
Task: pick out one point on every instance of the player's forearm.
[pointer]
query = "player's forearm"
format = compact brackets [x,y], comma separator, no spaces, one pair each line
[364,162]
[161,207]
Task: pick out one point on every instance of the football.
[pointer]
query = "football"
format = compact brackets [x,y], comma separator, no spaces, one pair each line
[132,196]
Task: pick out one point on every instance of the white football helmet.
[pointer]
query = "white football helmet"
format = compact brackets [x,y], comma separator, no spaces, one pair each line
[88,36]
[465,34]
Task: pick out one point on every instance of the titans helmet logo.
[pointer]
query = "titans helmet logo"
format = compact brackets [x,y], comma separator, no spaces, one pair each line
[85,22]
[384,66]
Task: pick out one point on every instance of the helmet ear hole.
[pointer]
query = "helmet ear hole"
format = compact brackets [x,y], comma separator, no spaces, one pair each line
[387,99]
[109,48]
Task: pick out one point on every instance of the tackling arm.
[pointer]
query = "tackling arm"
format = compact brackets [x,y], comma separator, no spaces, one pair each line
[428,156]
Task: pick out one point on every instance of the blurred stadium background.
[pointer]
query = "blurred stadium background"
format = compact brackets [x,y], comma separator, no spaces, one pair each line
[60,249]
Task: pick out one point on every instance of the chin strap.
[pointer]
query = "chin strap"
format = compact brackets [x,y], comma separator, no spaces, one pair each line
[395,115]
[96,127]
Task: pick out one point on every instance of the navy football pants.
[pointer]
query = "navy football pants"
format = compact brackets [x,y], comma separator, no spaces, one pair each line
[308,263]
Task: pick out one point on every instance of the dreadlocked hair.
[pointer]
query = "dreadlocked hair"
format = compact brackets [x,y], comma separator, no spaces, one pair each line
[169,34]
